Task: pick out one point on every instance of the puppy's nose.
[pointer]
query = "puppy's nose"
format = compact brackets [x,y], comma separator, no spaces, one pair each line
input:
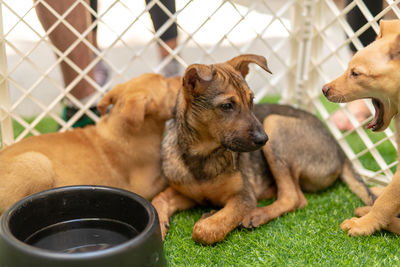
[325,89]
[260,138]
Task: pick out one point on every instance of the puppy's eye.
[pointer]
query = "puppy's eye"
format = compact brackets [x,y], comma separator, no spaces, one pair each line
[355,73]
[226,106]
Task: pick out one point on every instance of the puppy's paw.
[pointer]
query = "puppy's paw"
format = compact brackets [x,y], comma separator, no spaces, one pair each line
[164,229]
[359,226]
[255,218]
[361,211]
[208,232]
[347,224]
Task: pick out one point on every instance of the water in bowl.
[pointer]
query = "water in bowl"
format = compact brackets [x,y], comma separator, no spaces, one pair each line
[82,235]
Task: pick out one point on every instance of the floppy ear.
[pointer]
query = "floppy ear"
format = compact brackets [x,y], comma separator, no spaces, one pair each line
[133,110]
[195,75]
[108,99]
[394,51]
[388,27]
[241,63]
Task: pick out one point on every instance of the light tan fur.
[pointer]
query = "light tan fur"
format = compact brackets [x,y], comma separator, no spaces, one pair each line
[121,150]
[374,72]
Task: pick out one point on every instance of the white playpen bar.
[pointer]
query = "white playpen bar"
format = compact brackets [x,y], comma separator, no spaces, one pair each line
[5,118]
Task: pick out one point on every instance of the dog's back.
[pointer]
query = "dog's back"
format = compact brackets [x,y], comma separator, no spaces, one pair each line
[121,150]
[302,140]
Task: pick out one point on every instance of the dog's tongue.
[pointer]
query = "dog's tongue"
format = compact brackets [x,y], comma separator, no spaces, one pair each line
[377,122]
[371,124]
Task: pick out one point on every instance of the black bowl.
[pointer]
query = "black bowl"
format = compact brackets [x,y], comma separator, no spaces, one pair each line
[81,226]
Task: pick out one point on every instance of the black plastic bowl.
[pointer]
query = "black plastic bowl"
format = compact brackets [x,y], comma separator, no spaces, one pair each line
[81,226]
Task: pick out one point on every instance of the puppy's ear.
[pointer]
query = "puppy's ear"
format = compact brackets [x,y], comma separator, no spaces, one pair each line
[195,76]
[241,63]
[108,99]
[394,51]
[133,110]
[388,27]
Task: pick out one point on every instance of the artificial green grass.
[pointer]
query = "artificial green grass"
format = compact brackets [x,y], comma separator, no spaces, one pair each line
[310,236]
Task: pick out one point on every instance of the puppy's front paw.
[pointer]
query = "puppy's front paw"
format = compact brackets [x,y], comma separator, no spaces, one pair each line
[163,219]
[208,232]
[361,211]
[164,229]
[255,218]
[359,226]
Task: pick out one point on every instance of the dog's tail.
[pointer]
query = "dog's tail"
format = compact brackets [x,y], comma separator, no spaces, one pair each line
[356,184]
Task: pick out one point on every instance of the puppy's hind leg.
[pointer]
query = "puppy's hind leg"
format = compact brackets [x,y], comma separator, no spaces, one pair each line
[268,193]
[23,175]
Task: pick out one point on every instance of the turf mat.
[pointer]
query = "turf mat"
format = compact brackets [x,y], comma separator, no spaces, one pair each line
[310,236]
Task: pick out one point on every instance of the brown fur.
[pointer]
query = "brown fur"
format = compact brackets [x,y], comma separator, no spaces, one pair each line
[121,150]
[374,72]
[210,153]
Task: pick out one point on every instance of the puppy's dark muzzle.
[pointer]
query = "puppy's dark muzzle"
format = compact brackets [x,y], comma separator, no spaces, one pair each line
[248,139]
[259,138]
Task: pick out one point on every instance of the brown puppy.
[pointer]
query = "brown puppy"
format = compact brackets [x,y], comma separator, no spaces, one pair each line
[205,161]
[121,150]
[374,72]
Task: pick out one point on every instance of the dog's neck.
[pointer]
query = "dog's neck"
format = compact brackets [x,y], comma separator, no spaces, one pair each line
[205,167]
[116,129]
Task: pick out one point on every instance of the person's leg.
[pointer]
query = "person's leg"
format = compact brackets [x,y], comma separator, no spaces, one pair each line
[356,20]
[93,5]
[159,17]
[100,71]
[62,38]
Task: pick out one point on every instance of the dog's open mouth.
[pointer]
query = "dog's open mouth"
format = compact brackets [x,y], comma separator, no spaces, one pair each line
[377,122]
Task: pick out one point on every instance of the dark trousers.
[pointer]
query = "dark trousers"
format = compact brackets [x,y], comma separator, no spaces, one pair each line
[158,16]
[356,20]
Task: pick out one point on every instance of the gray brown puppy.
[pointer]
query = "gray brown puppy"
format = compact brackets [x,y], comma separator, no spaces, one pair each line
[210,153]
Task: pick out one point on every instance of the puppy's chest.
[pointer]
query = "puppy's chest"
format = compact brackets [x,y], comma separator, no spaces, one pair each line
[255,169]
[205,168]
[179,166]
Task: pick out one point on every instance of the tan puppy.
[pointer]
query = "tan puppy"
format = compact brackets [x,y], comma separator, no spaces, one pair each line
[121,150]
[374,72]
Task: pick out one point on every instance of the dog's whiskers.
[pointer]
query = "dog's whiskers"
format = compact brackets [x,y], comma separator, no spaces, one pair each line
[234,159]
